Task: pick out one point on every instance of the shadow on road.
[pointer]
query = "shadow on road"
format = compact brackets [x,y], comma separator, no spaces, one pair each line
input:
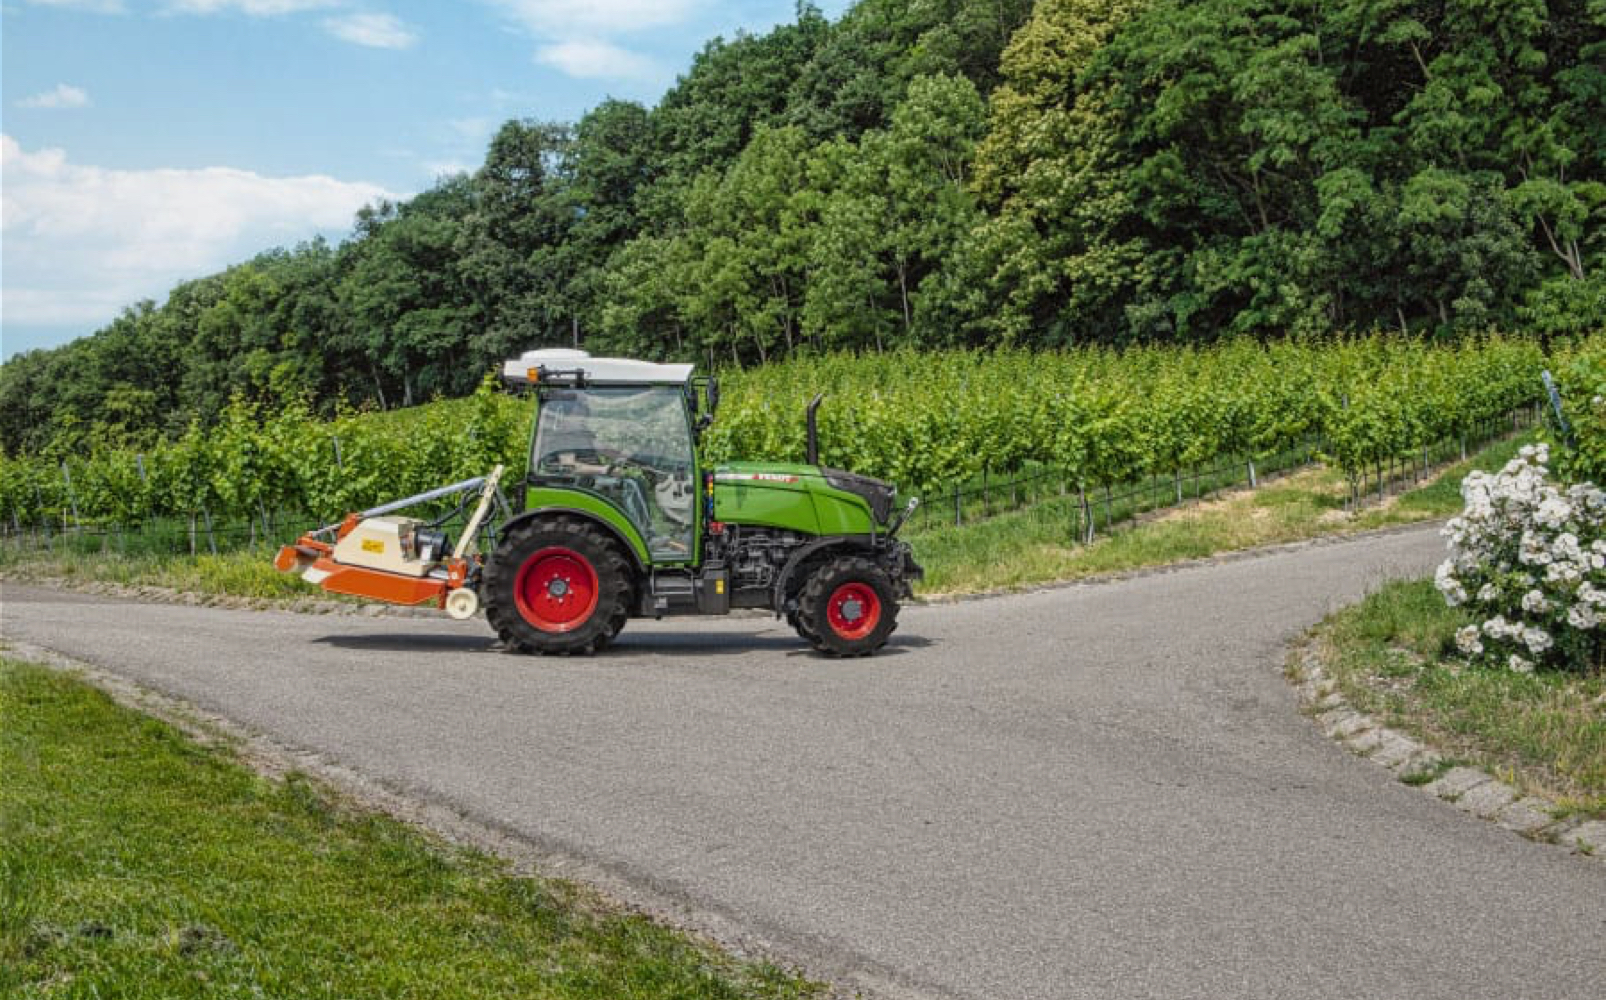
[695,643]
[666,644]
[412,642]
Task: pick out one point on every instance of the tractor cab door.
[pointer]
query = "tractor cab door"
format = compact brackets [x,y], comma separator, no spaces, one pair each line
[631,445]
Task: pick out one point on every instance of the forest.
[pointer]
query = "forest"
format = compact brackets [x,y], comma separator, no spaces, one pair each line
[924,174]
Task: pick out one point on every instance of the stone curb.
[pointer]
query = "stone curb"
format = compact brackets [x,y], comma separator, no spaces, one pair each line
[1467,788]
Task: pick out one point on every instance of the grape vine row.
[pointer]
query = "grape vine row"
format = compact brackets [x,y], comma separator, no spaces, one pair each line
[922,420]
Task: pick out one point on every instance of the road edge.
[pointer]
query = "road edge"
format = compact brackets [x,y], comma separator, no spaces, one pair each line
[1470,789]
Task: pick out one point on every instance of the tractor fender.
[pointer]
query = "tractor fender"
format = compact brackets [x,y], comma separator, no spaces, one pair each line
[864,544]
[632,546]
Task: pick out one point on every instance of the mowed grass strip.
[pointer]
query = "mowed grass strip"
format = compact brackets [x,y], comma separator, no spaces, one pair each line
[137,863]
[246,573]
[1393,656]
[1036,545]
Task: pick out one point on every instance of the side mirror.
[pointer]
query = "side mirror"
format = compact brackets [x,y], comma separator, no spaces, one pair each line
[713,395]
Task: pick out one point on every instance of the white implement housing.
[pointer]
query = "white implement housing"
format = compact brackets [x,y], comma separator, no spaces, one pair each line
[386,543]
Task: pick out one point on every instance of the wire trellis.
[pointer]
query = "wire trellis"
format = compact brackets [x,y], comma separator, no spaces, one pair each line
[1095,507]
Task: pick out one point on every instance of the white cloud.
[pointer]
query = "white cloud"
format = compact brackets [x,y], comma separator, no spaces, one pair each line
[63,96]
[597,60]
[255,8]
[436,169]
[95,6]
[565,19]
[377,31]
[575,36]
[81,242]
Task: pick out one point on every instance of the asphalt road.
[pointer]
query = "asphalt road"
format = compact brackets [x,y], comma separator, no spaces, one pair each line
[1098,791]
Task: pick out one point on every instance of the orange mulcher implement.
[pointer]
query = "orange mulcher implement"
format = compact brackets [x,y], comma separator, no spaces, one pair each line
[309,553]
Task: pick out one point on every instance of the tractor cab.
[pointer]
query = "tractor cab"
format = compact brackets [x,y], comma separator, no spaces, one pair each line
[630,445]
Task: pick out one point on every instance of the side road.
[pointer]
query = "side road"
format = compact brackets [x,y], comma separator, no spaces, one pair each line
[1095,791]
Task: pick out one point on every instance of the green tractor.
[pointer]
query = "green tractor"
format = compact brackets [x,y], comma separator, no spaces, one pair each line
[617,518]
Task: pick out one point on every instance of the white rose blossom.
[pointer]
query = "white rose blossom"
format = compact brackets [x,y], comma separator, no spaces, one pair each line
[1528,560]
[1582,617]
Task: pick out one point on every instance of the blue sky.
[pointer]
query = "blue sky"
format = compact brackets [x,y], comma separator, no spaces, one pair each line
[146,141]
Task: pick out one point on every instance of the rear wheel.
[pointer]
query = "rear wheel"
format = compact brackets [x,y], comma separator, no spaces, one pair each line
[557,585]
[848,607]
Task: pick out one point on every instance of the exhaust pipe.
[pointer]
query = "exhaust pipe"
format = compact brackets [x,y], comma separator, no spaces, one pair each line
[814,430]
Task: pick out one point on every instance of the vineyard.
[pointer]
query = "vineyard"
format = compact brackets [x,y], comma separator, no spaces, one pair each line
[927,421]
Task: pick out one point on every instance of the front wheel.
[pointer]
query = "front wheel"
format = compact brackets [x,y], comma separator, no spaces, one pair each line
[557,585]
[848,607]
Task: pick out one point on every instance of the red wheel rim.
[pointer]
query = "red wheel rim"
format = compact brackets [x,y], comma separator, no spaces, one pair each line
[556,589]
[854,610]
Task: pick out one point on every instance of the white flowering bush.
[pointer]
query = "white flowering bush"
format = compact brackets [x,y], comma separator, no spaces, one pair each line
[1528,559]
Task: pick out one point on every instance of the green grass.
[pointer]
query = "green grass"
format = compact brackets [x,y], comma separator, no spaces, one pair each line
[1034,545]
[244,573]
[137,863]
[1393,658]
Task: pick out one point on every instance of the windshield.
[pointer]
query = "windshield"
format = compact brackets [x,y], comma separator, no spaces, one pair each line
[633,446]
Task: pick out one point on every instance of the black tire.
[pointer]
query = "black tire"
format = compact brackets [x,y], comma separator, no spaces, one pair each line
[796,621]
[535,571]
[848,607]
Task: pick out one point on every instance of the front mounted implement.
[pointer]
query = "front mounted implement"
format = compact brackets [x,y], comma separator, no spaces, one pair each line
[404,560]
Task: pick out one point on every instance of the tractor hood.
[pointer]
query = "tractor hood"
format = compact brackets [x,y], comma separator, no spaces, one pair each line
[738,485]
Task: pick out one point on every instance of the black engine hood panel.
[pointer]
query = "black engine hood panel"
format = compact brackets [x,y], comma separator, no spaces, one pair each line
[879,495]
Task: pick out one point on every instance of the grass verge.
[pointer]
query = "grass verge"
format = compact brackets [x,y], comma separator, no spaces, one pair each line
[246,574]
[1019,549]
[1035,545]
[137,863]
[1393,657]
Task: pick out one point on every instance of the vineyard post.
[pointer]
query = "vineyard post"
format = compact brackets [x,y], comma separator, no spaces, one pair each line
[959,515]
[139,463]
[1252,483]
[211,541]
[339,463]
[66,477]
[1178,478]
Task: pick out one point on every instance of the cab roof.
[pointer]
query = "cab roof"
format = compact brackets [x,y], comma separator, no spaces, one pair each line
[562,366]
